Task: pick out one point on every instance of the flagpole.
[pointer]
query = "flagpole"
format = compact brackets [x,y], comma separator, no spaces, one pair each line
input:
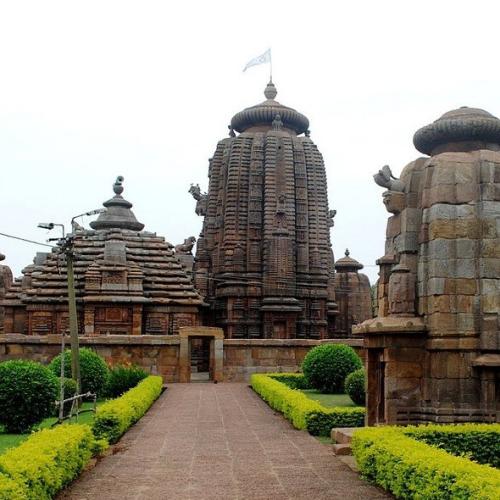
[270,66]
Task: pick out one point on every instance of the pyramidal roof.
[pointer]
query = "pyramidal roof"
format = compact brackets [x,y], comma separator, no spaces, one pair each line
[117,244]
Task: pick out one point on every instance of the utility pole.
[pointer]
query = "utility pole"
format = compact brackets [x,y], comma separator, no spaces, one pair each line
[73,318]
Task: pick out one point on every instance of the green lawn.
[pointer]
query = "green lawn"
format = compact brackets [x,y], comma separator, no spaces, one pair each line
[329,400]
[10,440]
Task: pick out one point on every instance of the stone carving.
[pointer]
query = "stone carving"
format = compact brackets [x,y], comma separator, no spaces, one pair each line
[331,216]
[201,199]
[186,247]
[385,179]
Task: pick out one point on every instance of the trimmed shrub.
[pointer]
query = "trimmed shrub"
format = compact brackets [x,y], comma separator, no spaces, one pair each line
[122,378]
[326,366]
[28,391]
[46,462]
[93,370]
[10,489]
[114,417]
[304,413]
[479,442]
[292,380]
[355,386]
[412,469]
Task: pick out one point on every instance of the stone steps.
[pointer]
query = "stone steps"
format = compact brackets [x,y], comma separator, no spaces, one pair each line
[342,436]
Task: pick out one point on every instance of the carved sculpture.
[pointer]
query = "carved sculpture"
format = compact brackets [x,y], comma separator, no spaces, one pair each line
[186,247]
[331,216]
[385,179]
[201,199]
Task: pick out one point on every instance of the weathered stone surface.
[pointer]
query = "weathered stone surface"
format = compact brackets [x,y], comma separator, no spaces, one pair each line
[456,269]
[127,281]
[264,261]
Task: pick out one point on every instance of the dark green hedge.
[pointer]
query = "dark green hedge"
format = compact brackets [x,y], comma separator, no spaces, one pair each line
[481,443]
[292,380]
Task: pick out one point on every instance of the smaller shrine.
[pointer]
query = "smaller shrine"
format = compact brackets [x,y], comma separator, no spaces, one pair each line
[353,295]
[433,351]
[128,282]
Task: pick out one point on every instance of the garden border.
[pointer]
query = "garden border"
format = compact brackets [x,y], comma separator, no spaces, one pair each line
[393,458]
[301,411]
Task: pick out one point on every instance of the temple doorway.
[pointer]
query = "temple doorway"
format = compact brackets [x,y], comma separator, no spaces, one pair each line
[199,348]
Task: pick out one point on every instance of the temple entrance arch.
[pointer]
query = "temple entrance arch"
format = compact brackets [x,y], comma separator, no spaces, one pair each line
[198,334]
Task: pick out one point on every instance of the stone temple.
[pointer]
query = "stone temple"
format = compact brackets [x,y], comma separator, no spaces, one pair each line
[264,261]
[128,282]
[353,294]
[433,352]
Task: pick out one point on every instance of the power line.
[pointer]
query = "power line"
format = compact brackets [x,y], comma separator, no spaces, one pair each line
[26,240]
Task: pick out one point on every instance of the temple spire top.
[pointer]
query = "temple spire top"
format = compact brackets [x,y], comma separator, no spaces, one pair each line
[118,213]
[270,92]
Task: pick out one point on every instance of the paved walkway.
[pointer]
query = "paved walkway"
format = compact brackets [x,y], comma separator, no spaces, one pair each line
[219,441]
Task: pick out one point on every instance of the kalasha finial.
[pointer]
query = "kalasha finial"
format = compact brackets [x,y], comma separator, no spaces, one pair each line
[117,186]
[347,252]
[270,91]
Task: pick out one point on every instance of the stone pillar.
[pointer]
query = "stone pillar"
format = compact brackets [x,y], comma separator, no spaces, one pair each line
[88,320]
[137,320]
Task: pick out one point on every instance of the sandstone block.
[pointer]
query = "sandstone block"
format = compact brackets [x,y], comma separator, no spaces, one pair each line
[489,268]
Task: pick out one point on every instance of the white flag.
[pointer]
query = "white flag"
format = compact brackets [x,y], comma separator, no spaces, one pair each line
[264,58]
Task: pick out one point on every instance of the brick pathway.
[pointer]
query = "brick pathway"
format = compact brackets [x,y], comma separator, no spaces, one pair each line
[219,441]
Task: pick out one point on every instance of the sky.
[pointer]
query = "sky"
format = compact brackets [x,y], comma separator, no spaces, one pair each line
[96,89]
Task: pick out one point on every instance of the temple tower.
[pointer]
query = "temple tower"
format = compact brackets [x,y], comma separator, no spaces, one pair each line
[264,261]
[353,294]
[434,349]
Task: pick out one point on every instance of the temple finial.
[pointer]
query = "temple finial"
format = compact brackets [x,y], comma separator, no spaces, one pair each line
[118,185]
[347,252]
[270,92]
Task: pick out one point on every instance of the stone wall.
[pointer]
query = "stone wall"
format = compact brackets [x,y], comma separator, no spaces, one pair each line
[160,354]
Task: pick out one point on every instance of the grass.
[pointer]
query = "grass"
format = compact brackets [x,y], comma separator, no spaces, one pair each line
[329,400]
[10,440]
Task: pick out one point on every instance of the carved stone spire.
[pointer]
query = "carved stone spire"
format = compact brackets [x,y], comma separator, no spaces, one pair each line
[118,214]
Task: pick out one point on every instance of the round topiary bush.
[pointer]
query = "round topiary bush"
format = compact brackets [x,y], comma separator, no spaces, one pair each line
[122,378]
[326,366]
[355,386]
[93,370]
[28,391]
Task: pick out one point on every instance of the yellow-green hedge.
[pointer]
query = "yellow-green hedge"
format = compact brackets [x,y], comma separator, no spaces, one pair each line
[304,413]
[47,461]
[410,469]
[114,417]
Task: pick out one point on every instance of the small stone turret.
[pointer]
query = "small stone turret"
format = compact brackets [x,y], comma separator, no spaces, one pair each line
[353,295]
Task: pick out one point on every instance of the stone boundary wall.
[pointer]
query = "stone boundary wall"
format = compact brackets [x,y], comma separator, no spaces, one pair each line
[160,354]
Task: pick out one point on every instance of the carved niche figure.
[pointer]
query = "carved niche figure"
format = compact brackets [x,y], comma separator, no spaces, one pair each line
[201,199]
[186,247]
